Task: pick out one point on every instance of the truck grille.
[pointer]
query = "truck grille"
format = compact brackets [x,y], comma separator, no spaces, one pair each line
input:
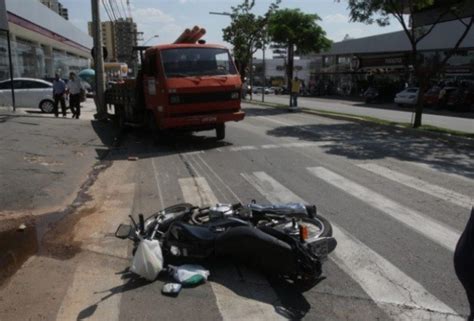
[207,97]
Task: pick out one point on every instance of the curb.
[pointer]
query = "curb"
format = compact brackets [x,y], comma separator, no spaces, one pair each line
[354,118]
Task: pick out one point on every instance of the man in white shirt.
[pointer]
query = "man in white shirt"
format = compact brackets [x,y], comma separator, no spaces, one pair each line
[74,88]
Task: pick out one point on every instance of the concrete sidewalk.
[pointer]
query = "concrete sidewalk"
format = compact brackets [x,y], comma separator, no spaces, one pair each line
[461,122]
[45,160]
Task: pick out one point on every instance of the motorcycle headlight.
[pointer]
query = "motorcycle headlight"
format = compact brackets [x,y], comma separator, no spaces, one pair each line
[234,95]
[174,99]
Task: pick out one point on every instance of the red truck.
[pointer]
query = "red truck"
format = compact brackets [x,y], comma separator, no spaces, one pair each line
[187,85]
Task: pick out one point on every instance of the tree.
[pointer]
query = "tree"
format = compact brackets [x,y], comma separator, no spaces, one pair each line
[380,12]
[294,28]
[246,32]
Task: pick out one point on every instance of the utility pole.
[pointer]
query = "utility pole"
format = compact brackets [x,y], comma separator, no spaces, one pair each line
[264,73]
[98,62]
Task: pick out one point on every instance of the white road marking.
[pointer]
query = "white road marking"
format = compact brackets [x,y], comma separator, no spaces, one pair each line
[400,296]
[270,146]
[193,153]
[433,169]
[220,179]
[157,181]
[436,231]
[250,304]
[240,148]
[418,184]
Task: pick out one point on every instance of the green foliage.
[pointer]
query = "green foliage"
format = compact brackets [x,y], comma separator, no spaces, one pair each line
[293,27]
[247,32]
[379,11]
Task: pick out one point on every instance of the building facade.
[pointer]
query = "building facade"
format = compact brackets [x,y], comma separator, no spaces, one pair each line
[119,37]
[42,42]
[384,60]
[275,71]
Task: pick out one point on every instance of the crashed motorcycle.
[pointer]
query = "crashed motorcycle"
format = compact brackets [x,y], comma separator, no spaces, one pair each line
[289,240]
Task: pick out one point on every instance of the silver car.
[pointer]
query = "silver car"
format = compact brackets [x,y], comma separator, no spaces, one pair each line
[29,93]
[408,96]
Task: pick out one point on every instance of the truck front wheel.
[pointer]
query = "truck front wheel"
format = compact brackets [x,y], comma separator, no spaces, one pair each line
[220,131]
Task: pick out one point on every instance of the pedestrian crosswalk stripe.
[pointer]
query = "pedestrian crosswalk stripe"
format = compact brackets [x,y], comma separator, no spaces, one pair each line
[434,169]
[430,228]
[400,296]
[418,184]
[249,305]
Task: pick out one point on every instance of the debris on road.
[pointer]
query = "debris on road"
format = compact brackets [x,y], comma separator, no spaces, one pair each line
[132,158]
[189,274]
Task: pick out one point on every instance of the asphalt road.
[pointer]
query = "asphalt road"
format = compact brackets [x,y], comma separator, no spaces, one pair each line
[449,120]
[397,204]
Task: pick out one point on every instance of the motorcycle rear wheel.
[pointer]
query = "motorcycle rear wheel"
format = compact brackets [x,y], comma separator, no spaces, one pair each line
[317,227]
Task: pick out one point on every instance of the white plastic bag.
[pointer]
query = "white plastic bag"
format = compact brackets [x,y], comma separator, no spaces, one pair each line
[148,260]
[189,274]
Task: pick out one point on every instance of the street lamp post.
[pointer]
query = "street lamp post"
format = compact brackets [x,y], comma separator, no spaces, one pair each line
[152,37]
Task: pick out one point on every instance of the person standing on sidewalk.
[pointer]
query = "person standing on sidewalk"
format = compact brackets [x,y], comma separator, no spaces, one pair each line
[74,88]
[59,90]
[295,91]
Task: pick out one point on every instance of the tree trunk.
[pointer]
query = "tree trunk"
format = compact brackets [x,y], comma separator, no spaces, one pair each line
[421,85]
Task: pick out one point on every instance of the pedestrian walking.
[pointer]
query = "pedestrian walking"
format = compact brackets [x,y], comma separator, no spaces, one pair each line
[464,262]
[75,88]
[295,91]
[59,90]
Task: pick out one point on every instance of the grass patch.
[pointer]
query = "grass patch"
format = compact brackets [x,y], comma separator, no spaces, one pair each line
[426,128]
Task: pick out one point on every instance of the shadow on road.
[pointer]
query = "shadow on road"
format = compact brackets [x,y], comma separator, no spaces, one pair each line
[254,112]
[362,142]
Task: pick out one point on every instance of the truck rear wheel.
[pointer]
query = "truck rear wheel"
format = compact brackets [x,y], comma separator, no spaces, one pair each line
[220,131]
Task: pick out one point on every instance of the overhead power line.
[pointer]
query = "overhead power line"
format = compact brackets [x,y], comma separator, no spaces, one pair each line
[112,10]
[123,8]
[117,10]
[106,10]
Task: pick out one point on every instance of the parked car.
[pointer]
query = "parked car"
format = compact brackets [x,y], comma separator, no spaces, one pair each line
[258,90]
[408,96]
[444,96]
[29,93]
[370,95]
[461,99]
[431,97]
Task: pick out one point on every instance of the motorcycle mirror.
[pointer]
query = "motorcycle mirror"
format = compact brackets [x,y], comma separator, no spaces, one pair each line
[123,231]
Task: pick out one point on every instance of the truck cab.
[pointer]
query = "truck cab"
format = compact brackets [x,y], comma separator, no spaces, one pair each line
[190,86]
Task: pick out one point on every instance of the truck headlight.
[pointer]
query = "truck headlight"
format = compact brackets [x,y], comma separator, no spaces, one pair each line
[234,95]
[174,99]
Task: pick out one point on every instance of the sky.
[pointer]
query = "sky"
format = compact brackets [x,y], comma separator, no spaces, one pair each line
[168,18]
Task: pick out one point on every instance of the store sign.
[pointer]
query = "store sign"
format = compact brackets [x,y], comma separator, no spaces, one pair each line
[3,16]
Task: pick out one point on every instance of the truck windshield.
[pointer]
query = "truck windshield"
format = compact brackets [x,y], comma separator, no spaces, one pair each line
[184,62]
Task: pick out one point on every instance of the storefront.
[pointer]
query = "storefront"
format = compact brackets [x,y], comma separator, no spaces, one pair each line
[42,42]
[353,65]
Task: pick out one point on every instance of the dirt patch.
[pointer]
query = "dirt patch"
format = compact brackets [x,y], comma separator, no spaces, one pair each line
[50,234]
[59,241]
[16,245]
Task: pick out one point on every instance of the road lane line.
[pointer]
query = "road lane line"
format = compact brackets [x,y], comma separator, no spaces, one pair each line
[270,146]
[240,148]
[436,231]
[220,179]
[157,181]
[418,184]
[255,299]
[400,296]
